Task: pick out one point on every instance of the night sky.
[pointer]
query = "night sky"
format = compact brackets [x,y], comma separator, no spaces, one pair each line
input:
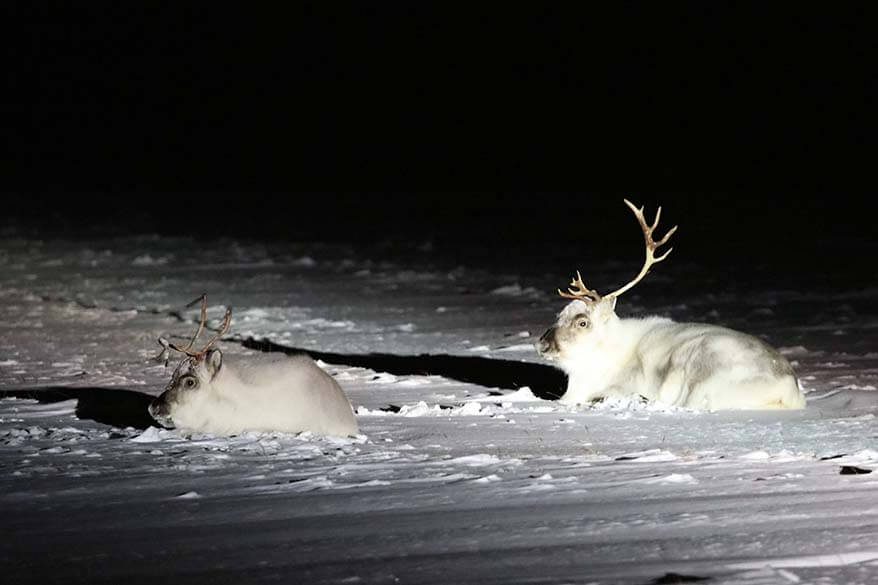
[518,127]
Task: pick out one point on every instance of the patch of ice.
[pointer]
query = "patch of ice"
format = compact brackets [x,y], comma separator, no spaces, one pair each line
[252,313]
[419,409]
[382,378]
[154,435]
[364,411]
[468,409]
[442,477]
[304,262]
[477,460]
[784,456]
[313,483]
[517,347]
[488,479]
[794,350]
[831,365]
[338,441]
[148,260]
[523,394]
[418,381]
[54,450]
[651,455]
[189,496]
[322,482]
[321,323]
[782,476]
[363,484]
[516,290]
[677,478]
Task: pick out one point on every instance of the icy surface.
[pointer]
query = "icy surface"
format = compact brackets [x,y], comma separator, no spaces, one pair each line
[465,472]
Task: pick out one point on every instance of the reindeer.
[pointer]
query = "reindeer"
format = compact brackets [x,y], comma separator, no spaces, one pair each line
[210,394]
[694,365]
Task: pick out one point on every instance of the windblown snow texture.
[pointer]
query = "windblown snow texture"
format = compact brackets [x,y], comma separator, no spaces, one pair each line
[466,470]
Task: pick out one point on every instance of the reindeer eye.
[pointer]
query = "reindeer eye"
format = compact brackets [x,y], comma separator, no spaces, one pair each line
[582,323]
[189,382]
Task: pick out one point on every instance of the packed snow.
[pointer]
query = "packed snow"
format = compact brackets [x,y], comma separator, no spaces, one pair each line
[466,468]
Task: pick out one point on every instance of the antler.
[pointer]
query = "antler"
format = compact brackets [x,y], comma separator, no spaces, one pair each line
[203,299]
[584,294]
[651,246]
[227,321]
[589,296]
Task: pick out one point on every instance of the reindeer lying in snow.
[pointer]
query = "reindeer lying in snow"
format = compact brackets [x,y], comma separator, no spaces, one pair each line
[695,365]
[210,394]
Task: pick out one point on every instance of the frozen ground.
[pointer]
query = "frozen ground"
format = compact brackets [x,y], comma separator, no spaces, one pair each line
[466,471]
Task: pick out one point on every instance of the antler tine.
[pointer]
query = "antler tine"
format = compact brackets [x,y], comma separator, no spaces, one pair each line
[163,355]
[658,215]
[665,239]
[647,229]
[651,245]
[227,322]
[584,293]
[188,348]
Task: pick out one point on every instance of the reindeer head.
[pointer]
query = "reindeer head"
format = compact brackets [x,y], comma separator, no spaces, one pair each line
[577,323]
[189,385]
[587,319]
[188,390]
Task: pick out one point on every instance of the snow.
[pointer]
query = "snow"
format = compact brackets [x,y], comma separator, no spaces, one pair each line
[465,471]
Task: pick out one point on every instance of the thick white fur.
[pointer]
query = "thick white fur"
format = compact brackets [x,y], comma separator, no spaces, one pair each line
[281,393]
[693,365]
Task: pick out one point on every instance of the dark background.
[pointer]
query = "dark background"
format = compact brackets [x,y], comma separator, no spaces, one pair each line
[503,128]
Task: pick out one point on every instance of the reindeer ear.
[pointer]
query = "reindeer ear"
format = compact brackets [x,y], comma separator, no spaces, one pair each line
[213,361]
[605,309]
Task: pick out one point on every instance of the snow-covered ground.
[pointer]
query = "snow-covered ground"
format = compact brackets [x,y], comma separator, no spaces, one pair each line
[466,471]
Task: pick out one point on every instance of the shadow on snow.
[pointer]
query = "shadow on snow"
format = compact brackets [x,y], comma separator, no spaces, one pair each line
[544,381]
[128,408]
[111,406]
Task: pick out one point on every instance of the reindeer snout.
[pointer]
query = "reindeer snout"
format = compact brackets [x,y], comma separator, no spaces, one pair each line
[547,344]
[159,410]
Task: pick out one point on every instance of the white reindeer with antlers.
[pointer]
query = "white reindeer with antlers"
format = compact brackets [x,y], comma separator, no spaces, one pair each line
[695,365]
[210,394]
